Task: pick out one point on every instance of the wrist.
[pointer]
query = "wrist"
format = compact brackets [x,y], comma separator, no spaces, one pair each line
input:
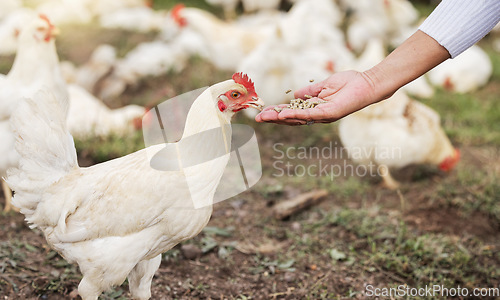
[417,55]
[379,83]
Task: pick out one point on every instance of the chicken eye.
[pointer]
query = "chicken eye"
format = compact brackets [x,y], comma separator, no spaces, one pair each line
[40,28]
[235,95]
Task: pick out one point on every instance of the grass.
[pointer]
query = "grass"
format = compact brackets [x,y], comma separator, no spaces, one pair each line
[475,191]
[469,119]
[386,247]
[101,149]
[168,4]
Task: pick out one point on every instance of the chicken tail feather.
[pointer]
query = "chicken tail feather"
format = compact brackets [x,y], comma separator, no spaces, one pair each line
[46,148]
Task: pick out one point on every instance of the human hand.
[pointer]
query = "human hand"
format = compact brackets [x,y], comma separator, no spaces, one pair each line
[345,93]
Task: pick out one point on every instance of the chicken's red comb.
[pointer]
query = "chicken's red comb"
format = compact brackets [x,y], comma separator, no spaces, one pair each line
[46,19]
[245,81]
[176,15]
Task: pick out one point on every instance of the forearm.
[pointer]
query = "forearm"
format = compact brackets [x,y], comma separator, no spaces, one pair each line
[417,55]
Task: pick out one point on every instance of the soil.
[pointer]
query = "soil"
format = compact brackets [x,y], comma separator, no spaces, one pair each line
[32,271]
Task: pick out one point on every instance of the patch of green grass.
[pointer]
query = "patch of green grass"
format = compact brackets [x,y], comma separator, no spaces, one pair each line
[264,264]
[94,35]
[344,187]
[168,4]
[103,149]
[6,64]
[406,257]
[423,8]
[476,190]
[486,45]
[470,119]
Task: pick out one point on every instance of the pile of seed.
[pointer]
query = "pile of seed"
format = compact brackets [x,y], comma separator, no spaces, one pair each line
[300,104]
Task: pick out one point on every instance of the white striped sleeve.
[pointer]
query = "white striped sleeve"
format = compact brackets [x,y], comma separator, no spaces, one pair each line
[459,24]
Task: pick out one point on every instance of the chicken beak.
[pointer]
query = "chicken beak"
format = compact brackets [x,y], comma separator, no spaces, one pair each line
[54,31]
[449,163]
[256,103]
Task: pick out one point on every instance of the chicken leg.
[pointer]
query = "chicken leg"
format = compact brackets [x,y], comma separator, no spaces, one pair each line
[88,290]
[388,181]
[8,196]
[141,276]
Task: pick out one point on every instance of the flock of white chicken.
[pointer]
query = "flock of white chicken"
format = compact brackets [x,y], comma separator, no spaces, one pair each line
[279,50]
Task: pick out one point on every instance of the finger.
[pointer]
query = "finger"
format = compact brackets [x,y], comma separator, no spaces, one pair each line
[269,112]
[267,115]
[297,114]
[319,114]
[272,107]
[272,116]
[311,90]
[288,122]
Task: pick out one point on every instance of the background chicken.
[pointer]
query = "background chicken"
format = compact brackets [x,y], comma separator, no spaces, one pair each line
[466,73]
[227,43]
[35,66]
[298,51]
[89,117]
[99,65]
[92,216]
[410,134]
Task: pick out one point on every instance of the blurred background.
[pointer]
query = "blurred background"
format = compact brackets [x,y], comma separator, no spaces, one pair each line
[122,57]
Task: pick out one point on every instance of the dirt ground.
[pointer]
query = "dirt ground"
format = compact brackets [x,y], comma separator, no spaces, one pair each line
[247,256]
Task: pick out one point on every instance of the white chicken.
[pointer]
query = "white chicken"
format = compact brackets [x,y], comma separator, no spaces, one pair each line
[8,6]
[414,136]
[146,59]
[10,26]
[465,73]
[260,5]
[141,19]
[99,7]
[68,70]
[65,11]
[116,218]
[35,66]
[383,19]
[227,43]
[100,64]
[151,59]
[89,117]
